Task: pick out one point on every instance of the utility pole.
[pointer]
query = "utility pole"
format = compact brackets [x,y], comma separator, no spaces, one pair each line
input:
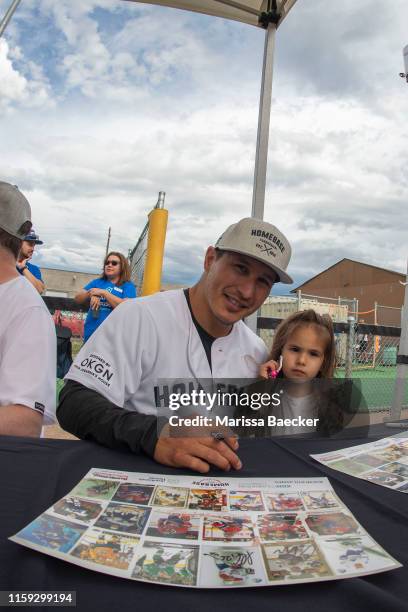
[5,21]
[107,244]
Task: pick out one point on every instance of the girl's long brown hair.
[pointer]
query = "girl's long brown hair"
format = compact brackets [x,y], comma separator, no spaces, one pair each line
[323,325]
[124,267]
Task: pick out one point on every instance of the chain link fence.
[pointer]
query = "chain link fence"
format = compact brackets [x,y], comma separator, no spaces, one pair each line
[137,259]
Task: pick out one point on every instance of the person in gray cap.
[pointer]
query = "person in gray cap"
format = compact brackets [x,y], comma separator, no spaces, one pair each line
[115,386]
[29,270]
[27,332]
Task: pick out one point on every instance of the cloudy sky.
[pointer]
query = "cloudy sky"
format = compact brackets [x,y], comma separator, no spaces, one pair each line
[103,103]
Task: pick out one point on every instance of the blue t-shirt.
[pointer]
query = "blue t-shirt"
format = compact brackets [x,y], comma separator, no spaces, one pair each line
[127,290]
[35,270]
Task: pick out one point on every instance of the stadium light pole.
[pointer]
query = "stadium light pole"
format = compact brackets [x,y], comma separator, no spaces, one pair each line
[7,17]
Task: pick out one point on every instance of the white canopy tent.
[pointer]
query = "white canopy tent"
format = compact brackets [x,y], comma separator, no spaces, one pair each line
[247,11]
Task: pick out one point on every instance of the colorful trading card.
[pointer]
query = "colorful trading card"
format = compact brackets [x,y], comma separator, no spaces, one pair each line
[294,561]
[180,525]
[95,487]
[227,528]
[169,563]
[174,497]
[284,502]
[332,523]
[403,488]
[383,478]
[349,466]
[52,532]
[331,457]
[281,527]
[403,445]
[396,468]
[231,566]
[79,509]
[393,452]
[133,494]
[112,549]
[123,517]
[370,460]
[208,499]
[355,554]
[320,500]
[247,501]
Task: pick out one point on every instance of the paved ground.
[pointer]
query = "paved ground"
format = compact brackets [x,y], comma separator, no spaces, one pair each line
[55,431]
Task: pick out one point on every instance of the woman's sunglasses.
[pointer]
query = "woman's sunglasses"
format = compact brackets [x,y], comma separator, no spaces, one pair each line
[112,262]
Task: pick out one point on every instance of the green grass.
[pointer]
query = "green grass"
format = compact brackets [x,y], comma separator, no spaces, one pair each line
[377,385]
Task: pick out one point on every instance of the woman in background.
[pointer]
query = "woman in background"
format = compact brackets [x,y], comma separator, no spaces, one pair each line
[106,292]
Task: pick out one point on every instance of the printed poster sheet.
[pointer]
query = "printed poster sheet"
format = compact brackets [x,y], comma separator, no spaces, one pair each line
[206,532]
[384,462]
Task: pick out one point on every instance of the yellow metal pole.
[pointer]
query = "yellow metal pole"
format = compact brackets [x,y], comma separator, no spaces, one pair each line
[155,251]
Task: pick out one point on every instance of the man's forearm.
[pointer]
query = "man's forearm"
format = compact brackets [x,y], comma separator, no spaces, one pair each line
[18,420]
[90,416]
[38,284]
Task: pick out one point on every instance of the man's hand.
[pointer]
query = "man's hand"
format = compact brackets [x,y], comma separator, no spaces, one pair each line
[21,263]
[197,454]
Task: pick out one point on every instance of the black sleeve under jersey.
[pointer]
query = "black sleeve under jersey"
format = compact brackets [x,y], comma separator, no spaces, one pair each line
[90,416]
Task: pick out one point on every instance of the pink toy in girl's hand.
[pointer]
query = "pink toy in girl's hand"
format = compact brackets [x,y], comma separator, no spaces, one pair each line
[274,373]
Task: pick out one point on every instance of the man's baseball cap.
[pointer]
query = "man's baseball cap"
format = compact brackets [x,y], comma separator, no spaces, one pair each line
[260,240]
[33,237]
[14,210]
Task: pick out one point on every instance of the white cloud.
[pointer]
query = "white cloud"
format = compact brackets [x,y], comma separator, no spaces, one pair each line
[21,88]
[167,100]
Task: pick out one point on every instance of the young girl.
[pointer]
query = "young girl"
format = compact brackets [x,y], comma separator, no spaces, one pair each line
[303,351]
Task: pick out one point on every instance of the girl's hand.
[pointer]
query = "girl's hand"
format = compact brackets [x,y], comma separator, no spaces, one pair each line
[266,368]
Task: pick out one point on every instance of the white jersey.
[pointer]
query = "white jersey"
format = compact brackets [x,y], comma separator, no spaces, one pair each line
[28,349]
[150,339]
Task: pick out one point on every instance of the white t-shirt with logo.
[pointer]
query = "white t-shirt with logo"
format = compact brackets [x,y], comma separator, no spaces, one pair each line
[28,349]
[293,407]
[154,338]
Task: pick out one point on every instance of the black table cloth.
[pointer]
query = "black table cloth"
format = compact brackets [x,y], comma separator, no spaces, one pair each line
[35,473]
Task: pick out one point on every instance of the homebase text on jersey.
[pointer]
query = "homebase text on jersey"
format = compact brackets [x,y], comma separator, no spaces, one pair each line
[242,421]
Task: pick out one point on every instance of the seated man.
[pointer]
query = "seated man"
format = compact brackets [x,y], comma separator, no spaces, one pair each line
[29,270]
[27,332]
[113,391]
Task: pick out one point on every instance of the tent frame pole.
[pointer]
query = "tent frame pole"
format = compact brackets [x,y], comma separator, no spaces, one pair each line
[270,21]
[262,140]
[10,12]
